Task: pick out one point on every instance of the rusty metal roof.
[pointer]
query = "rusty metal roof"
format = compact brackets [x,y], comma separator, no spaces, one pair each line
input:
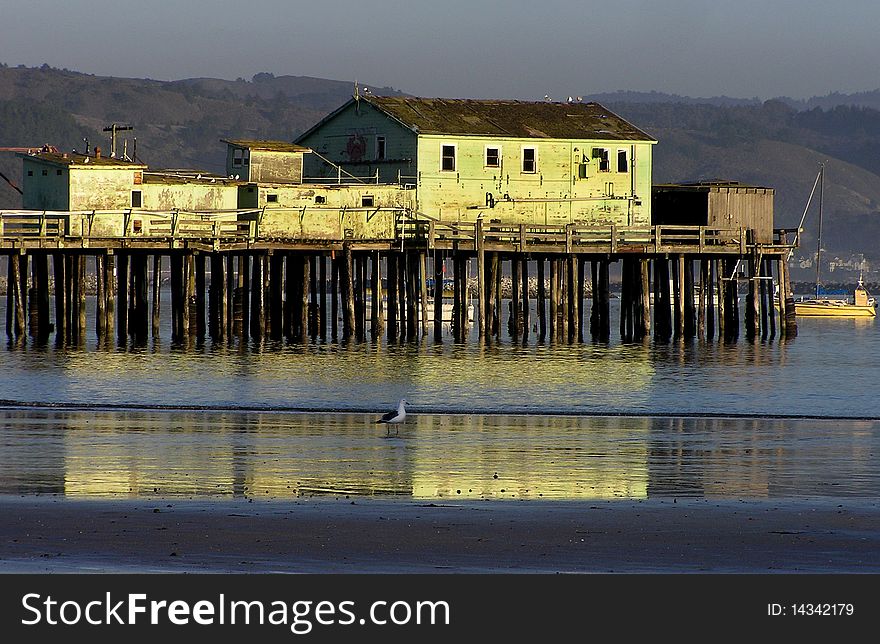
[270,146]
[516,119]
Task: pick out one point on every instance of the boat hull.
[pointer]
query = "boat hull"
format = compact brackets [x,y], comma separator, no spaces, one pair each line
[833,309]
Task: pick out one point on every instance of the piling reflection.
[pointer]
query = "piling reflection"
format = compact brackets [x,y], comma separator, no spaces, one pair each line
[290,455]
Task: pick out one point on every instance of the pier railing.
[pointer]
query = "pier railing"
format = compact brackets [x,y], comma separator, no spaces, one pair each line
[576,238]
[316,227]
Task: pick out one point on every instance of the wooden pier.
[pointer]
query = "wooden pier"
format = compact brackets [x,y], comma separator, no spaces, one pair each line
[233,276]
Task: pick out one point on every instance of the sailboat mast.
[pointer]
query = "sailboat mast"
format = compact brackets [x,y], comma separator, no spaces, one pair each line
[819,235]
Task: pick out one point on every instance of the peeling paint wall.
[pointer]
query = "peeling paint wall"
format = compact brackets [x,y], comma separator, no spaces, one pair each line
[331,212]
[189,196]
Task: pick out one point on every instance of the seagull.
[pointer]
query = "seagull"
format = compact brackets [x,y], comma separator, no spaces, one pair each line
[395,417]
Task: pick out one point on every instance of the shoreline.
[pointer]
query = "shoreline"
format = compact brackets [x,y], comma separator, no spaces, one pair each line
[56,534]
[11,405]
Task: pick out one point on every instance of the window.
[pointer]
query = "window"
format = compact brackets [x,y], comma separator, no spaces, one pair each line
[493,157]
[237,155]
[58,172]
[136,200]
[529,160]
[367,201]
[447,158]
[380,148]
[602,155]
[272,198]
[45,173]
[245,157]
[30,173]
[320,199]
[622,165]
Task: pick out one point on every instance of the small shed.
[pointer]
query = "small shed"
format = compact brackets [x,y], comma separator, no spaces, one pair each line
[264,161]
[717,204]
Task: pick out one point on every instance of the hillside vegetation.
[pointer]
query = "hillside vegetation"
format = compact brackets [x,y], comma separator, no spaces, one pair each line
[778,143]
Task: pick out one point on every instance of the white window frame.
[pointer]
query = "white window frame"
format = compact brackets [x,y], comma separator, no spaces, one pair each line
[486,156]
[522,164]
[454,147]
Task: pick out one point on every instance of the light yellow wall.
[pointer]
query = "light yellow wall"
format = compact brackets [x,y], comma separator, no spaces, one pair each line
[554,194]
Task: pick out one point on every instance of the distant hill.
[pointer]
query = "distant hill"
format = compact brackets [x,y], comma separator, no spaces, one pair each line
[777,143]
[176,123]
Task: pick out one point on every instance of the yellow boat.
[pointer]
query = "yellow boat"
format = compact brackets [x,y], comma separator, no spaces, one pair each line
[862,306]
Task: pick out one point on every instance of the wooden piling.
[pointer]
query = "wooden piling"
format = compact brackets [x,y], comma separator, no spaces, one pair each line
[100,298]
[790,322]
[515,322]
[604,301]
[322,306]
[59,264]
[701,308]
[258,301]
[200,292]
[140,280]
[156,311]
[334,297]
[710,299]
[10,297]
[771,308]
[456,298]
[122,290]
[215,299]
[376,312]
[391,297]
[305,296]
[492,297]
[275,319]
[313,291]
[412,280]
[18,279]
[554,299]
[438,295]
[190,309]
[423,290]
[645,308]
[690,318]
[481,278]
[524,293]
[582,298]
[572,293]
[348,288]
[541,304]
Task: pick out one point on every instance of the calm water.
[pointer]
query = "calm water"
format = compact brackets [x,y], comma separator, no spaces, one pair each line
[766,419]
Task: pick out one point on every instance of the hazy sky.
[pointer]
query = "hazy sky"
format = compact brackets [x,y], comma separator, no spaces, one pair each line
[466,48]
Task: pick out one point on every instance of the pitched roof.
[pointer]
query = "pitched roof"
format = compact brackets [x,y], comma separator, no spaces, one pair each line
[271,146]
[518,119]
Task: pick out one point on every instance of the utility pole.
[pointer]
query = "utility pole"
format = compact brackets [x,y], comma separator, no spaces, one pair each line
[113,128]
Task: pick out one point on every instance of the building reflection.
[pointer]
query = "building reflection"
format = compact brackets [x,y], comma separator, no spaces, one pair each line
[290,455]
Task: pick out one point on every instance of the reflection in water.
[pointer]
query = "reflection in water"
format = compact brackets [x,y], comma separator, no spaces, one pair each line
[285,455]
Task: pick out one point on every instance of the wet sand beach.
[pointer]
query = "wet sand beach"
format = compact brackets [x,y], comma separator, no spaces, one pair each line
[54,534]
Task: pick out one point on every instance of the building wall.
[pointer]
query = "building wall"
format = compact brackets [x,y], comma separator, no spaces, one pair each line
[103,187]
[276,166]
[746,207]
[567,184]
[327,212]
[44,186]
[189,196]
[350,139]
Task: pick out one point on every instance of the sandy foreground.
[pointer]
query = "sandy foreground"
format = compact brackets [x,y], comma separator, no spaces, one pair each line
[367,535]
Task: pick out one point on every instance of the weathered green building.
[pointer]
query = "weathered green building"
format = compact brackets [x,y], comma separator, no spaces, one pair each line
[511,161]
[80,182]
